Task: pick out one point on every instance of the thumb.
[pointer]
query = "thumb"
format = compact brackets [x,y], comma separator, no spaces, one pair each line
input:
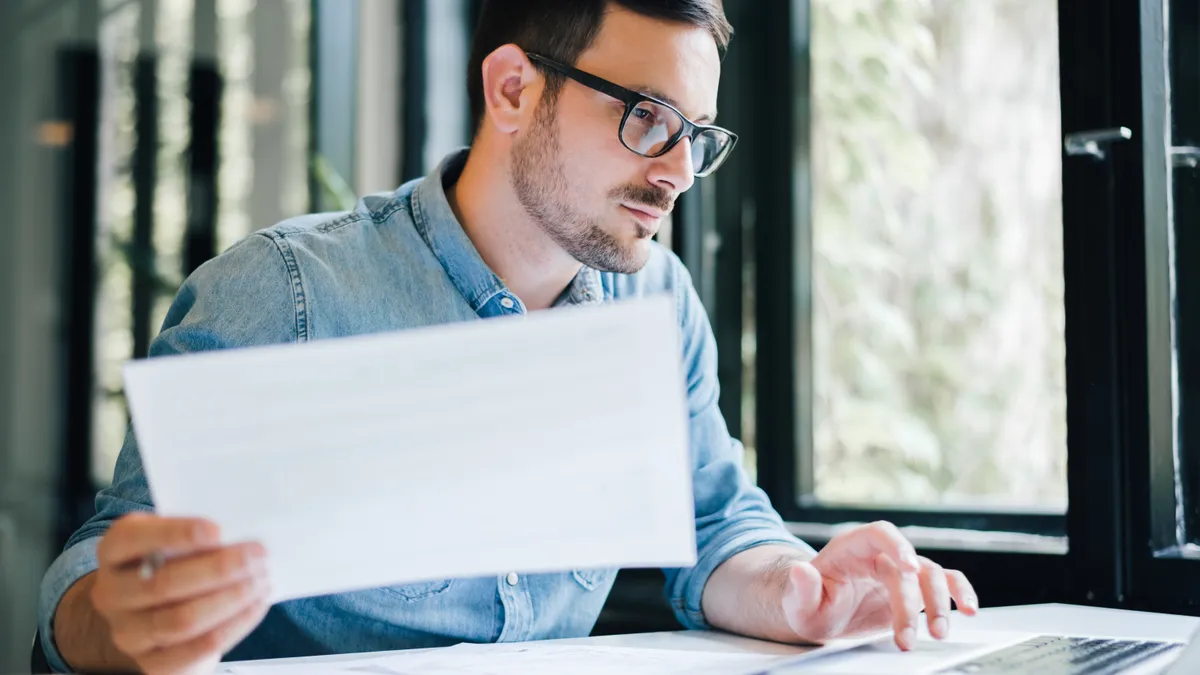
[802,598]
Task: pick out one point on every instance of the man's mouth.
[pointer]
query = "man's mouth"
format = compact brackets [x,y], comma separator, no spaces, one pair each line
[645,215]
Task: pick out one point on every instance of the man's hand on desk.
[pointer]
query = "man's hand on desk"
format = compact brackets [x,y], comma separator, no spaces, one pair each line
[868,579]
[179,616]
[864,580]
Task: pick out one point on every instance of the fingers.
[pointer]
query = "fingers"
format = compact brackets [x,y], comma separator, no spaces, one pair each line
[197,605]
[936,593]
[123,589]
[865,542]
[888,540]
[904,598]
[962,592]
[879,558]
[171,625]
[207,647]
[137,535]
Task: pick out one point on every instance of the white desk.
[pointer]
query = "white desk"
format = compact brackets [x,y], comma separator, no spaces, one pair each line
[967,634]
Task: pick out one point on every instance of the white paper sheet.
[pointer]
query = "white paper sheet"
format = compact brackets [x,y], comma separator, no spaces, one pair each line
[548,442]
[883,657]
[533,659]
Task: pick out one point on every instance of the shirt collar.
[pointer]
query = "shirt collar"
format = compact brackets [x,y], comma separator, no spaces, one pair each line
[444,235]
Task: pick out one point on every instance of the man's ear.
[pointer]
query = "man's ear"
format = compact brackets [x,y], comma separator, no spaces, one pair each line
[511,88]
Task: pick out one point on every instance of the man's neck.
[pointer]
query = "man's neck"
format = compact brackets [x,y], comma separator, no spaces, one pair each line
[508,240]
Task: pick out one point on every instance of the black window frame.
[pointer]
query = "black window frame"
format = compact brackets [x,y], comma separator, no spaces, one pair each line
[1184,165]
[1164,565]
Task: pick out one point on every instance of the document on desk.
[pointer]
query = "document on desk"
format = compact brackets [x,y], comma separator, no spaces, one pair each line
[546,442]
[553,657]
[531,659]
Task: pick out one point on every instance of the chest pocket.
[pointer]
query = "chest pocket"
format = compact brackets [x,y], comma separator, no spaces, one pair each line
[420,590]
[591,579]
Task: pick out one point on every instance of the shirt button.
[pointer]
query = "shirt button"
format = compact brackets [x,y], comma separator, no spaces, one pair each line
[512,578]
[507,303]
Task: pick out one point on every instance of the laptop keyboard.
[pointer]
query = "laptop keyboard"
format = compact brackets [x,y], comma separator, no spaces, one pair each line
[1059,655]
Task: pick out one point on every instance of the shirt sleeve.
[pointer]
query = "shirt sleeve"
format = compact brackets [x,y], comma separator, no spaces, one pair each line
[243,297]
[732,514]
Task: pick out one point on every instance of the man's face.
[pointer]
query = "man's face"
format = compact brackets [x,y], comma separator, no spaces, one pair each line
[598,200]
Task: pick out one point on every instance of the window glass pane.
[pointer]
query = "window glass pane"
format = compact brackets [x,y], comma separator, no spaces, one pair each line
[939,360]
[119,46]
[173,32]
[749,354]
[236,173]
[263,174]
[263,61]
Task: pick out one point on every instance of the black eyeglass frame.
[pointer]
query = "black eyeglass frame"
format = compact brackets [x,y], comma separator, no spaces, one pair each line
[631,99]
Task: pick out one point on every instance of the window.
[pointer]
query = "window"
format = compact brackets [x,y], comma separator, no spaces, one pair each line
[203,138]
[924,327]
[943,302]
[936,315]
[119,46]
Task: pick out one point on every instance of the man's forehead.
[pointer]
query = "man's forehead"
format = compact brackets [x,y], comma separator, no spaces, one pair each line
[675,63]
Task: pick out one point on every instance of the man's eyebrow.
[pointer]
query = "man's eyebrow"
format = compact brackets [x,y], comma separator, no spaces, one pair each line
[647,90]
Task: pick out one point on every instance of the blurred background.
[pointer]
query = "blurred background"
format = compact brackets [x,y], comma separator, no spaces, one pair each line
[926,301]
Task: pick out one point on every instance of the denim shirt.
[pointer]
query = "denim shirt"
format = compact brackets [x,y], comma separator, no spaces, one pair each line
[397,261]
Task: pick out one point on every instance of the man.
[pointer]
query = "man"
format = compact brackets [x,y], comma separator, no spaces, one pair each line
[577,159]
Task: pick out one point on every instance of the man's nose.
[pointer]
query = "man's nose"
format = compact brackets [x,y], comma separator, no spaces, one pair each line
[673,171]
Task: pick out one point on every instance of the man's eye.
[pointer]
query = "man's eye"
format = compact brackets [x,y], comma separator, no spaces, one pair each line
[643,114]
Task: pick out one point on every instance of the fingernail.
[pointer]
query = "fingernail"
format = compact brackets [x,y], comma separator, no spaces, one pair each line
[908,638]
[911,561]
[940,627]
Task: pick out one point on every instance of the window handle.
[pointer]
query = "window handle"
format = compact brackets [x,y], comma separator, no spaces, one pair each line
[1094,143]
[1185,157]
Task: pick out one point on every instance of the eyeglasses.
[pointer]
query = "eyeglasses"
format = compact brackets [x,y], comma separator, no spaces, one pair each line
[651,127]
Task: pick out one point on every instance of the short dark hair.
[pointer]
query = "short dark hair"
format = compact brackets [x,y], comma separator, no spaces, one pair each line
[564,29]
